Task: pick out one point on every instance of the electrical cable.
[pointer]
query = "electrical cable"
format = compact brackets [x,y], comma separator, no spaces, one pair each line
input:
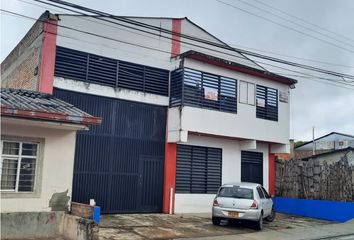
[284,26]
[97,35]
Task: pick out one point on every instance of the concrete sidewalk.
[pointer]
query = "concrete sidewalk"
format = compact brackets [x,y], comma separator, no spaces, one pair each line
[164,226]
[328,231]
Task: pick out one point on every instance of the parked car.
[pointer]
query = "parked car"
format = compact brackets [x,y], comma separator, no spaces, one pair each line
[243,201]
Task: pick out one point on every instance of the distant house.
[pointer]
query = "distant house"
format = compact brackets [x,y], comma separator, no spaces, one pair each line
[38,134]
[334,156]
[327,143]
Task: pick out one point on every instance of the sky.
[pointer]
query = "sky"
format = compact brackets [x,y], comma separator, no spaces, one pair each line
[318,33]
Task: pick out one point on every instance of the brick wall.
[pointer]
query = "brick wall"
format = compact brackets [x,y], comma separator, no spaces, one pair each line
[20,69]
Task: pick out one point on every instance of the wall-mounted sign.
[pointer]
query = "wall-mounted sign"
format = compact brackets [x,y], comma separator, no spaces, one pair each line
[211,93]
[260,102]
[284,96]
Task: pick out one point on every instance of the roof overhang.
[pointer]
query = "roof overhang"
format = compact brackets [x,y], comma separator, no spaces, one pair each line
[37,123]
[223,63]
[48,116]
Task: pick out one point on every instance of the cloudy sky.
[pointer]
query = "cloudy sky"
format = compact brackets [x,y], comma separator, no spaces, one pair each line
[325,39]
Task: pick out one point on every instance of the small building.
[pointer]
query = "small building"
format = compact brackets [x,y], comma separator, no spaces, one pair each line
[38,135]
[327,143]
[330,157]
[180,117]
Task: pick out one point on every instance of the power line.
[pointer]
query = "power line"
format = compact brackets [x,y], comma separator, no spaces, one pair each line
[306,59]
[199,40]
[295,23]
[97,35]
[304,21]
[300,58]
[282,25]
[85,32]
[85,41]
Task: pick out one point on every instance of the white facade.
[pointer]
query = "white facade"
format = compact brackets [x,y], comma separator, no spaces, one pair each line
[54,170]
[231,171]
[242,125]
[232,132]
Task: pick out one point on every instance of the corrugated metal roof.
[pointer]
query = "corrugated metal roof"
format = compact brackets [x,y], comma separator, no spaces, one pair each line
[35,105]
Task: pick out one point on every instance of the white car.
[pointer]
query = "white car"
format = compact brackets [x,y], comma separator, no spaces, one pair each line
[243,201]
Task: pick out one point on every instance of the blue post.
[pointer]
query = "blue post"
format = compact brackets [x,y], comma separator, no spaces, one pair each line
[97,214]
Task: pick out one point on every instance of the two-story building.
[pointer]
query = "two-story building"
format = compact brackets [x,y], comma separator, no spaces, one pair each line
[182,112]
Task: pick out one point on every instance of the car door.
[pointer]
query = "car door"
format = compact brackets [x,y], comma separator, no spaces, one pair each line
[262,200]
[268,202]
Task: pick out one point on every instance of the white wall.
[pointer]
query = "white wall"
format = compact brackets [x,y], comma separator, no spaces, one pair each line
[231,171]
[244,124]
[57,164]
[106,91]
[117,49]
[159,54]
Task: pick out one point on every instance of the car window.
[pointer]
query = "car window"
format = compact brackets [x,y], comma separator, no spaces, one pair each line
[236,192]
[265,193]
[260,192]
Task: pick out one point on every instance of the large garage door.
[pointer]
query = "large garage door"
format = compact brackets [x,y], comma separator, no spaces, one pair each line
[252,167]
[120,163]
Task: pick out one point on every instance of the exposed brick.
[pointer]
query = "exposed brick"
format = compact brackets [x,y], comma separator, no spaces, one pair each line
[20,69]
[25,75]
[81,210]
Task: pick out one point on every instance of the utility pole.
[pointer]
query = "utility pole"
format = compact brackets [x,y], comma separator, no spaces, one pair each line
[313,141]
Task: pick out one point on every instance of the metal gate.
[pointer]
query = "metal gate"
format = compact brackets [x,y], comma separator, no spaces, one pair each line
[121,162]
[252,167]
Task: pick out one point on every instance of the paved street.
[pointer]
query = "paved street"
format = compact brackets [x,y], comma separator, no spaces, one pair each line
[162,226]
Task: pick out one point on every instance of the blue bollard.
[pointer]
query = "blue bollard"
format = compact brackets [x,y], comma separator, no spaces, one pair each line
[97,214]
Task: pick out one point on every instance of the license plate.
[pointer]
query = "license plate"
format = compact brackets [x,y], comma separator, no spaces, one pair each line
[233,214]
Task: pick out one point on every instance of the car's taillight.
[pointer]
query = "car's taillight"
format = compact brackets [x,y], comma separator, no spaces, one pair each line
[215,203]
[254,205]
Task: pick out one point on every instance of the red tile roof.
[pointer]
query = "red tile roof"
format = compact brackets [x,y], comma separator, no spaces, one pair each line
[35,105]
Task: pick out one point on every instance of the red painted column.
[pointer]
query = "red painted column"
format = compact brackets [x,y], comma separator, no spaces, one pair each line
[271,177]
[46,77]
[176,37]
[171,148]
[169,177]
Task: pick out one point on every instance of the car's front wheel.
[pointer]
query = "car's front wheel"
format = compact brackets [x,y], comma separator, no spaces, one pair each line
[216,221]
[259,223]
[271,217]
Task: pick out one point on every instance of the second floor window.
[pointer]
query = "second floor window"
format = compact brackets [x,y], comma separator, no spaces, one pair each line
[199,89]
[267,103]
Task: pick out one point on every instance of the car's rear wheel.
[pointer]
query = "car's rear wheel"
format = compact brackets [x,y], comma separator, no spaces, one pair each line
[216,221]
[271,217]
[259,223]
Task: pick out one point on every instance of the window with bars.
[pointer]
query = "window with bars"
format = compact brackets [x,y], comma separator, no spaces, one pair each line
[18,166]
[194,88]
[267,103]
[198,169]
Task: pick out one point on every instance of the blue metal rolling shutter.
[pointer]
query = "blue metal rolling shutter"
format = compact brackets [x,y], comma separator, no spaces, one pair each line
[198,169]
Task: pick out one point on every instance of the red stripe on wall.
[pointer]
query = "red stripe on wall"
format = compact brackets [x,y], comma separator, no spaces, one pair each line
[46,77]
[169,177]
[176,44]
[271,177]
